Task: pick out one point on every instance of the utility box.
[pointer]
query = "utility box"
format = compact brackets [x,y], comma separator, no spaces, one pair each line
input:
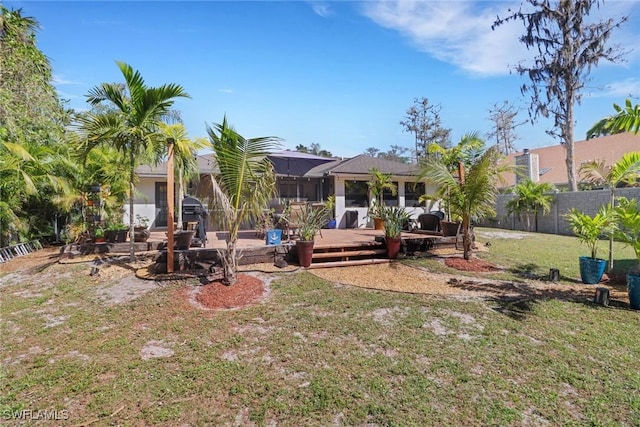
[351,219]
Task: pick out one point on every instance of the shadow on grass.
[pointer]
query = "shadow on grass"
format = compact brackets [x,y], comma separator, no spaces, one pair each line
[518,299]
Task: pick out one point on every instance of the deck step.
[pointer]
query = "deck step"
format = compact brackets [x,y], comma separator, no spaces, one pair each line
[349,263]
[347,254]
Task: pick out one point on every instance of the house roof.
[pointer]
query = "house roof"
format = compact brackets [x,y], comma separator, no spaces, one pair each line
[361,165]
[206,164]
[293,163]
[551,160]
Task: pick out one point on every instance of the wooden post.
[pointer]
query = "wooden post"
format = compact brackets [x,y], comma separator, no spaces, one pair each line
[170,203]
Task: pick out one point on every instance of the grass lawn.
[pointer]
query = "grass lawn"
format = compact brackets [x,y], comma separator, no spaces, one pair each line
[317,353]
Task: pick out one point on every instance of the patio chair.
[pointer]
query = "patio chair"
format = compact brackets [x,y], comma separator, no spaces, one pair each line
[294,219]
[429,222]
[440,214]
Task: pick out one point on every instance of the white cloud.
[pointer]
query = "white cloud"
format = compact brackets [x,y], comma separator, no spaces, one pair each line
[620,89]
[59,80]
[225,90]
[321,8]
[455,32]
[459,32]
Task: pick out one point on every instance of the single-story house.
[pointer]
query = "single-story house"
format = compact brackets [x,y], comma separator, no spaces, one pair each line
[301,177]
[548,164]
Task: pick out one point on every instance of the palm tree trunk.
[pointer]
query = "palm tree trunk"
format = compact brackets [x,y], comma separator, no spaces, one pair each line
[180,197]
[230,263]
[466,237]
[132,255]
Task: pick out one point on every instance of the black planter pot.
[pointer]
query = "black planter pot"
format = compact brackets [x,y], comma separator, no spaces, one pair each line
[182,239]
[115,236]
[141,234]
[449,228]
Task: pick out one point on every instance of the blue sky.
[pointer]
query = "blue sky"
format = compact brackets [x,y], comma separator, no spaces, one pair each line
[340,74]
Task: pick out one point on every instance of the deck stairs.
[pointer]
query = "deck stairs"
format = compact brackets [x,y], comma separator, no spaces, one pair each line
[344,254]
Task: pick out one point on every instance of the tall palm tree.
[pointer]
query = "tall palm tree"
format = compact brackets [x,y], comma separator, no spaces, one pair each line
[474,196]
[243,187]
[185,163]
[130,123]
[624,171]
[464,153]
[378,183]
[530,199]
[626,119]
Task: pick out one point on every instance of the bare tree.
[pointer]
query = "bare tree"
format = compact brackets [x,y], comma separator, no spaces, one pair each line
[503,132]
[568,47]
[423,120]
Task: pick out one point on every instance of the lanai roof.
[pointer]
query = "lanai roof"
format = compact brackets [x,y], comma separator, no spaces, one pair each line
[361,165]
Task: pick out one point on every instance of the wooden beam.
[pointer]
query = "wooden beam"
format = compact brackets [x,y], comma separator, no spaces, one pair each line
[170,203]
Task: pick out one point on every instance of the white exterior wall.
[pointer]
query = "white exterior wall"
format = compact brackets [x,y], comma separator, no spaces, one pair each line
[363,220]
[144,203]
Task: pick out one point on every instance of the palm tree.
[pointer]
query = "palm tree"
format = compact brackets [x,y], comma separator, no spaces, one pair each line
[465,152]
[627,119]
[624,171]
[130,123]
[27,173]
[474,196]
[530,199]
[185,163]
[379,182]
[244,186]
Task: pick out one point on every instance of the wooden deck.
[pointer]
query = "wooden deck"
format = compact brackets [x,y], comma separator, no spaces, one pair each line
[328,239]
[333,247]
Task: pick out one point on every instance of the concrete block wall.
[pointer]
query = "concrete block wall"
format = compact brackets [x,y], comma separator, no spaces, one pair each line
[553,222]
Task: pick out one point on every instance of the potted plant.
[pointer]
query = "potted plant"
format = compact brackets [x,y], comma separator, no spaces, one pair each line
[116,233]
[141,231]
[627,217]
[312,219]
[377,184]
[98,235]
[394,220]
[589,230]
[330,205]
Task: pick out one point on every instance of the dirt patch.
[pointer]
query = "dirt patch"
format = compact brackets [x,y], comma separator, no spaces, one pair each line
[500,235]
[124,290]
[154,350]
[473,264]
[215,295]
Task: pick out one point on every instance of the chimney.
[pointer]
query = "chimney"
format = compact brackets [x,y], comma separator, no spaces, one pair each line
[528,166]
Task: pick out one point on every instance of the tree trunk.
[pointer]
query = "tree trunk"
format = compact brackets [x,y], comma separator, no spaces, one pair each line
[568,137]
[132,255]
[230,263]
[466,237]
[180,197]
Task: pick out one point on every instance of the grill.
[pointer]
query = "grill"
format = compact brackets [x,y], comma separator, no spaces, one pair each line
[194,215]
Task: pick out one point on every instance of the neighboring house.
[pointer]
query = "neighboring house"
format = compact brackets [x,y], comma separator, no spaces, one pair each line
[548,164]
[301,177]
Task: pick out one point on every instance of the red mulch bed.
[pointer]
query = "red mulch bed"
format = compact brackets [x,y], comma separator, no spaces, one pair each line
[474,264]
[247,290]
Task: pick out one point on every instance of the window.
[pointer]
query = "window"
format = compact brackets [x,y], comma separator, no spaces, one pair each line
[388,198]
[356,194]
[412,192]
